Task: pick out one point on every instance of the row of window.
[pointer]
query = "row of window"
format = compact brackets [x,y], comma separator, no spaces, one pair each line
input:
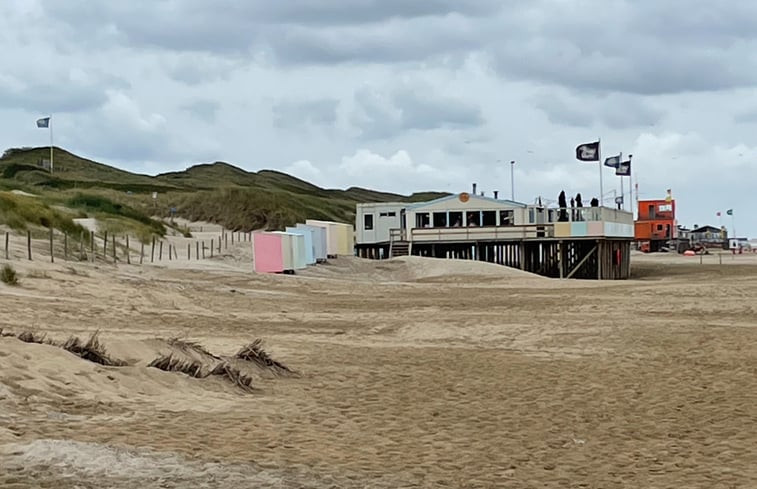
[368,219]
[453,219]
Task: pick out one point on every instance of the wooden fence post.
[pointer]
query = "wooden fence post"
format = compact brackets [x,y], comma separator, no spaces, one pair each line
[189,251]
[81,245]
[52,250]
[211,247]
[152,250]
[7,238]
[105,246]
[92,246]
[170,251]
[141,252]
[65,246]
[225,241]
[203,250]
[197,250]
[29,244]
[232,238]
[128,257]
[160,252]
[115,258]
[220,237]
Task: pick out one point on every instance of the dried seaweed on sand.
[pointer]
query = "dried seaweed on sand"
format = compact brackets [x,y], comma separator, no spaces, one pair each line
[254,352]
[171,363]
[92,350]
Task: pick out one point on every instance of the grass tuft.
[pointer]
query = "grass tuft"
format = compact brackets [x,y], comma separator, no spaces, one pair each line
[8,275]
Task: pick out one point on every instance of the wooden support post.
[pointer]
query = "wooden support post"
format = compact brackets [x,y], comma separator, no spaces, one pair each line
[560,258]
[203,250]
[600,257]
[81,246]
[7,244]
[522,255]
[232,238]
[197,250]
[141,253]
[160,251]
[169,251]
[189,251]
[225,241]
[115,258]
[128,251]
[92,256]
[583,260]
[105,246]
[65,246]
[211,247]
[52,250]
[29,244]
[220,238]
[152,250]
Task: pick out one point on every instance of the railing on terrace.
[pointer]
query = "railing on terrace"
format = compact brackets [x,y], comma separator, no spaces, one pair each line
[515,232]
[607,214]
[397,234]
[483,233]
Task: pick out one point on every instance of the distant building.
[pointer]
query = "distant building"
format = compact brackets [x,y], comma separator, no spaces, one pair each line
[709,236]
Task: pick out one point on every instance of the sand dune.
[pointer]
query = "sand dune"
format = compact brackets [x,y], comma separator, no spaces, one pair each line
[414,373]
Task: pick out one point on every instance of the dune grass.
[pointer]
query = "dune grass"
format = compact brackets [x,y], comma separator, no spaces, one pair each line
[19,212]
[8,275]
[215,192]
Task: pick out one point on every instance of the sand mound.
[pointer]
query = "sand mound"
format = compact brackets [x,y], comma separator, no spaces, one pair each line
[414,269]
[49,372]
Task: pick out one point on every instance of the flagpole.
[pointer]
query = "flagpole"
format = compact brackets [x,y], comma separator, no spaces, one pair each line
[622,198]
[733,224]
[51,143]
[630,190]
[601,185]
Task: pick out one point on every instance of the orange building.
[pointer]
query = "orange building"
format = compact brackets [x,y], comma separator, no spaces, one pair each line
[656,223]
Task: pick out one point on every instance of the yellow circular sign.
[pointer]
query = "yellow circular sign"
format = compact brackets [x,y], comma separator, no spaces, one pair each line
[464,197]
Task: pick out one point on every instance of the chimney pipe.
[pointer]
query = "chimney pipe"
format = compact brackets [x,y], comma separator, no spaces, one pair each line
[474,189]
[496,192]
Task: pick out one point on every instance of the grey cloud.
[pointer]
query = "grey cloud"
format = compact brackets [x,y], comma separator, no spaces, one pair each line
[55,93]
[197,68]
[312,32]
[615,111]
[203,109]
[379,115]
[294,114]
[615,50]
[748,116]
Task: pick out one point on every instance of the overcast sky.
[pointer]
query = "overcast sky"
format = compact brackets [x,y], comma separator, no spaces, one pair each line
[400,95]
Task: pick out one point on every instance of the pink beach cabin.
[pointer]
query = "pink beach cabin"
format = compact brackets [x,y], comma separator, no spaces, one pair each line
[267,252]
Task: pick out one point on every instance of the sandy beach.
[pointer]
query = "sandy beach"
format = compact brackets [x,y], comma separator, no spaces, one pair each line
[410,373]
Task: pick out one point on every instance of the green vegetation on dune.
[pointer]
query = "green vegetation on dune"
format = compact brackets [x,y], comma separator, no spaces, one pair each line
[215,192]
[249,209]
[19,212]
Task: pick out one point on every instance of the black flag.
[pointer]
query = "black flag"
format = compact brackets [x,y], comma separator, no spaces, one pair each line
[588,152]
[624,169]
